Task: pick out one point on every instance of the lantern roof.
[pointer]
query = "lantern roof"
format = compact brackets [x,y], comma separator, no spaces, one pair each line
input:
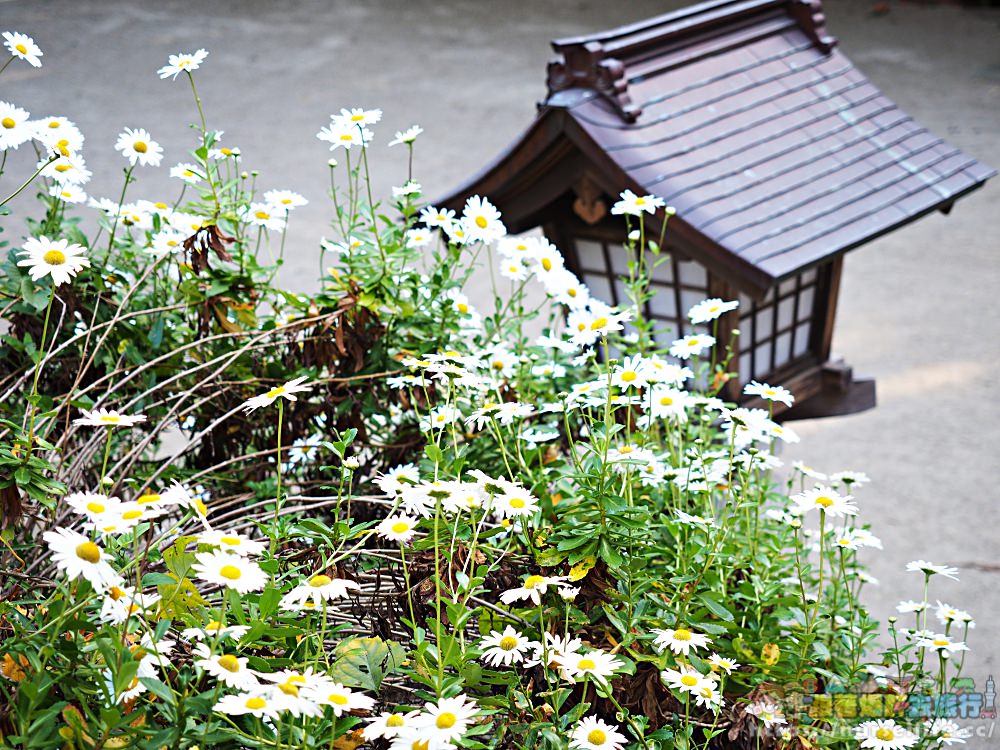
[775,150]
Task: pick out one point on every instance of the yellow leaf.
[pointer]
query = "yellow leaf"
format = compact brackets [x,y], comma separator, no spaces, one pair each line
[770,654]
[580,570]
[13,670]
[349,741]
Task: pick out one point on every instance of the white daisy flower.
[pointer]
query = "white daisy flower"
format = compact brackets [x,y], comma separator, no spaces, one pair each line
[229,669]
[481,221]
[15,128]
[231,541]
[318,588]
[596,664]
[192,174]
[108,418]
[884,734]
[508,647]
[265,215]
[826,501]
[215,630]
[591,733]
[680,641]
[388,725]
[23,47]
[56,258]
[342,699]
[68,193]
[77,556]
[769,392]
[691,346]
[634,205]
[182,62]
[930,569]
[687,680]
[357,117]
[448,719]
[532,589]
[260,703]
[399,528]
[286,200]
[230,571]
[139,147]
[710,309]
[407,136]
[286,391]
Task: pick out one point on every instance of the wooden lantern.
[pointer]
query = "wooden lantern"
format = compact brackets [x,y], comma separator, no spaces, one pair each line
[778,155]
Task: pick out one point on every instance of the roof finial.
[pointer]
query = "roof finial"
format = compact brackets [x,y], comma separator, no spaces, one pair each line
[586,66]
[809,15]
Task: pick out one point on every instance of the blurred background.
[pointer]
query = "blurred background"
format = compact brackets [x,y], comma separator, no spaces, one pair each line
[918,308]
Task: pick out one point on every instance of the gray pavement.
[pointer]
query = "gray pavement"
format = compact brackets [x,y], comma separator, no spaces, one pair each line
[918,308]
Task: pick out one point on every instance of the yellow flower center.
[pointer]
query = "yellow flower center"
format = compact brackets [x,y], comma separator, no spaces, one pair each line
[446,720]
[599,323]
[706,692]
[275,392]
[640,201]
[21,48]
[463,308]
[213,626]
[140,146]
[481,222]
[9,123]
[400,526]
[226,151]
[628,377]
[263,215]
[587,664]
[131,514]
[666,400]
[420,745]
[689,680]
[546,264]
[62,167]
[395,721]
[886,735]
[319,581]
[597,737]
[95,507]
[200,507]
[824,501]
[110,419]
[230,572]
[347,137]
[255,703]
[229,663]
[116,593]
[89,552]
[682,634]
[288,688]
[940,642]
[286,201]
[357,118]
[517,503]
[54,257]
[533,581]
[508,643]
[232,541]
[338,700]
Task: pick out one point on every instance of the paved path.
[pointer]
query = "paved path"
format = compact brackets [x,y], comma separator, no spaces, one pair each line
[918,308]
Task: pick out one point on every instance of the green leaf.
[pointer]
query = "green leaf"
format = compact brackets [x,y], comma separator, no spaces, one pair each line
[716,608]
[364,662]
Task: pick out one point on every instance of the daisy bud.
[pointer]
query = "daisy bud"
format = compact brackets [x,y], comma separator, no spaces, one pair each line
[332,163]
[670,210]
[892,620]
[244,175]
[352,462]
[255,173]
[736,331]
[634,234]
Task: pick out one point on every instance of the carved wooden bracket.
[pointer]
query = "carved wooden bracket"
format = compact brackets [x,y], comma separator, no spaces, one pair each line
[589,204]
[809,15]
[586,66]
